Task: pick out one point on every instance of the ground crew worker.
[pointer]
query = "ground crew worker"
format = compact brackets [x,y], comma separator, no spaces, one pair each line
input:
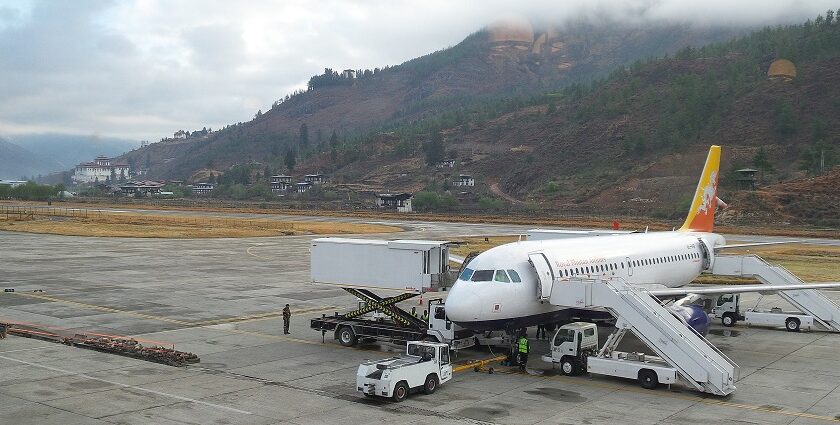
[414,311]
[287,315]
[3,327]
[522,349]
[540,331]
[425,315]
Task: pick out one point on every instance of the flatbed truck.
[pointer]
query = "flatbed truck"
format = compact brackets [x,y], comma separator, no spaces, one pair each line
[438,328]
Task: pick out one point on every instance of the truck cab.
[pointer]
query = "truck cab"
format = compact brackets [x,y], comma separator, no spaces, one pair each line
[570,346]
[443,330]
[726,307]
[423,367]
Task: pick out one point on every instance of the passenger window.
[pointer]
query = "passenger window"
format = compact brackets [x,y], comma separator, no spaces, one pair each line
[501,276]
[440,313]
[444,355]
[483,275]
[514,276]
[588,332]
[466,274]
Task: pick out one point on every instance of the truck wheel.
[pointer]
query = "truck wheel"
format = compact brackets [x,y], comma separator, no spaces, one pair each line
[400,392]
[431,384]
[792,324]
[346,336]
[728,320]
[567,366]
[648,379]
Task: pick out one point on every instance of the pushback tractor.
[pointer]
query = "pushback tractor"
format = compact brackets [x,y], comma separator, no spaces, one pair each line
[423,367]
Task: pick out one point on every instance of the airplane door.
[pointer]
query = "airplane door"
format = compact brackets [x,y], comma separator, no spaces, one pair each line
[545,274]
[629,267]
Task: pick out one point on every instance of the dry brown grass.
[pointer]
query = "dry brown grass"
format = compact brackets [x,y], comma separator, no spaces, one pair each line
[158,226]
[627,223]
[812,263]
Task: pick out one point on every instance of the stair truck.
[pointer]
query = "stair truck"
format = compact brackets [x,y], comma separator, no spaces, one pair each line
[575,348]
[423,367]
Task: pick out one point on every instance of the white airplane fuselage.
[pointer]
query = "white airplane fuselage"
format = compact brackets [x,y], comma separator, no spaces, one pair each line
[671,259]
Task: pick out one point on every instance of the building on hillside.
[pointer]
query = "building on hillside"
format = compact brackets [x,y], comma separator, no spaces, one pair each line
[446,163]
[202,189]
[781,70]
[179,183]
[746,178]
[12,183]
[464,180]
[181,134]
[303,187]
[281,183]
[100,170]
[400,202]
[315,178]
[144,187]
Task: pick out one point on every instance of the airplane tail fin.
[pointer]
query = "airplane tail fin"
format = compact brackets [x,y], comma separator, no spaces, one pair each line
[701,216]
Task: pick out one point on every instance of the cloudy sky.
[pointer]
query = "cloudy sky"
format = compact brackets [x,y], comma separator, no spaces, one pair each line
[142,69]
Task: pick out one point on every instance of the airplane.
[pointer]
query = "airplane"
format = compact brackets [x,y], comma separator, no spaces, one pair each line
[499,288]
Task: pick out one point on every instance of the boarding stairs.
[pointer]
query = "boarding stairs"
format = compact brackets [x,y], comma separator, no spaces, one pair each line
[700,363]
[808,301]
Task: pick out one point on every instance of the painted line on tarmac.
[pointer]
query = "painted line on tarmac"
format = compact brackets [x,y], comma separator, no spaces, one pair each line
[704,399]
[261,316]
[134,387]
[24,349]
[104,309]
[248,251]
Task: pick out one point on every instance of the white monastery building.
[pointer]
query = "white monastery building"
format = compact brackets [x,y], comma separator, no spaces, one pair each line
[99,170]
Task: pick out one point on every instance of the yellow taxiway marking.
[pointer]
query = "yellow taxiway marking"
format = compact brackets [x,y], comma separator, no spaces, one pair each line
[103,309]
[702,399]
[238,319]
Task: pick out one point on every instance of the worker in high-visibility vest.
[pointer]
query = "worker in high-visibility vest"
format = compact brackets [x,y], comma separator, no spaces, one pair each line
[414,311]
[522,351]
[426,315]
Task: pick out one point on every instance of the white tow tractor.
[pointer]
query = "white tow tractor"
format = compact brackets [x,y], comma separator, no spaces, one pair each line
[727,309]
[424,367]
[575,348]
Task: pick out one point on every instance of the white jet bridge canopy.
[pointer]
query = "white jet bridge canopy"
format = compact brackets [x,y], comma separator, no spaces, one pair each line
[406,265]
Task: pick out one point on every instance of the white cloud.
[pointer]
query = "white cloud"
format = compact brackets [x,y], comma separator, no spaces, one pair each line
[145,68]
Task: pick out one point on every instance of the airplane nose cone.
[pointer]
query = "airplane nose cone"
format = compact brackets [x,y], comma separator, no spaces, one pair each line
[463,304]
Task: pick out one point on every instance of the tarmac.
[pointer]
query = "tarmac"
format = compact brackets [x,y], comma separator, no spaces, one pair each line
[222,299]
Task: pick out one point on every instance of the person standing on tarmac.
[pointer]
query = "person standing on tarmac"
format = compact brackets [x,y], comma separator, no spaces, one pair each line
[522,351]
[414,311]
[541,331]
[426,316]
[287,315]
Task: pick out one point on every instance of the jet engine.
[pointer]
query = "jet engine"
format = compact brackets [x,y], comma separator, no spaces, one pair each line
[694,316]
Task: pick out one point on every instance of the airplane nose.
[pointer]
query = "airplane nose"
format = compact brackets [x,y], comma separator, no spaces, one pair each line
[463,304]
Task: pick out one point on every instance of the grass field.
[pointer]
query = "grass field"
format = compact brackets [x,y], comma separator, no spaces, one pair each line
[159,226]
[812,263]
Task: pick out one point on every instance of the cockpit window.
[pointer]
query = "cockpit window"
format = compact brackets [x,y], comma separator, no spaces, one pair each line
[483,275]
[466,274]
[501,276]
[514,276]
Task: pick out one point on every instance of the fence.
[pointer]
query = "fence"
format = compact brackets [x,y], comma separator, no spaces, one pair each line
[26,212]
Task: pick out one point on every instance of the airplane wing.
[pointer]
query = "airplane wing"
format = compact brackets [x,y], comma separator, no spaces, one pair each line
[732,289]
[747,245]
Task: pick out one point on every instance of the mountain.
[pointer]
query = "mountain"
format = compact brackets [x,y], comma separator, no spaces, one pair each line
[634,142]
[65,151]
[17,162]
[509,60]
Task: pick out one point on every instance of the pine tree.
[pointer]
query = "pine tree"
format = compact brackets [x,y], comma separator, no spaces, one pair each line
[304,136]
[291,158]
